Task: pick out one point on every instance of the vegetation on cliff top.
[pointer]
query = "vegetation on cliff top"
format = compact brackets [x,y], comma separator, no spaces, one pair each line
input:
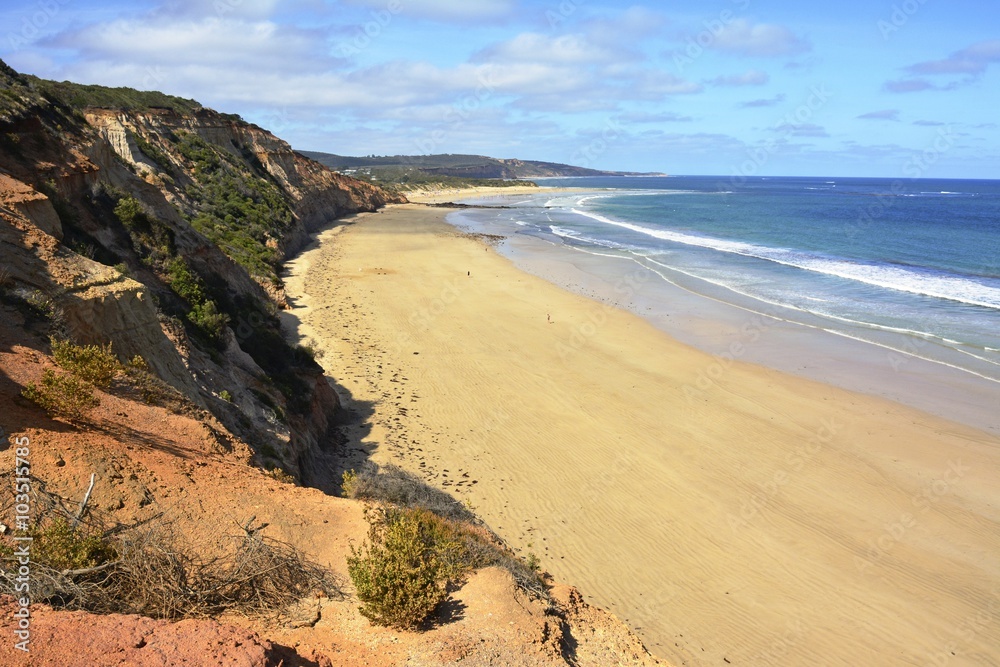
[71,394]
[80,96]
[405,179]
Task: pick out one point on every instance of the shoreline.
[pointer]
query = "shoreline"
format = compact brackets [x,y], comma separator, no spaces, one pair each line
[715,324]
[708,526]
[446,195]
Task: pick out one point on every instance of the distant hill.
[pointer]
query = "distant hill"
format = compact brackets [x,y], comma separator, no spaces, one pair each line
[462,166]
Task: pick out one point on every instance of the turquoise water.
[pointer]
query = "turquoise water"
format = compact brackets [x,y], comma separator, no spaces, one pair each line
[911,265]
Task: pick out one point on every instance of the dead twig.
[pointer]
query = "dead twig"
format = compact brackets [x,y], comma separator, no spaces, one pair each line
[83,503]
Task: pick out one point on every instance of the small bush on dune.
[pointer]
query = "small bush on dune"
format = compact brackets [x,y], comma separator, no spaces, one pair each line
[71,395]
[417,545]
[206,316]
[399,574]
[62,546]
[96,364]
[62,395]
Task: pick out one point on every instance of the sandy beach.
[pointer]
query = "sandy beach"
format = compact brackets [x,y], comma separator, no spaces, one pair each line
[440,195]
[728,512]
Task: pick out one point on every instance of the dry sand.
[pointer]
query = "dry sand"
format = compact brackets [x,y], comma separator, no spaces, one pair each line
[753,519]
[441,195]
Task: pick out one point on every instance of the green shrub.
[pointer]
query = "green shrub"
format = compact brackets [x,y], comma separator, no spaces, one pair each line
[236,207]
[62,395]
[399,573]
[206,316]
[130,212]
[61,546]
[153,152]
[96,364]
[184,282]
[226,396]
[349,484]
[451,522]
[279,474]
[81,96]
[153,390]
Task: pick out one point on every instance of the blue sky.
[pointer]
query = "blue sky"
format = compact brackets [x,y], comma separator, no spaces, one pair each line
[900,88]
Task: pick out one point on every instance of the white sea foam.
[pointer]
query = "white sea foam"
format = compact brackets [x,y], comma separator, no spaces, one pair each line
[577,236]
[955,288]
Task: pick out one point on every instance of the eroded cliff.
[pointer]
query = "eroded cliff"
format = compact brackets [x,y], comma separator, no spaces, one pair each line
[162,229]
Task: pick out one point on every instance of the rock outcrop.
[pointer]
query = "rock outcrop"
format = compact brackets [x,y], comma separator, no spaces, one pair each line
[318,195]
[23,200]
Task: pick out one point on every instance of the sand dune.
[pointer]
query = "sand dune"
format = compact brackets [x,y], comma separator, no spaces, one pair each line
[726,511]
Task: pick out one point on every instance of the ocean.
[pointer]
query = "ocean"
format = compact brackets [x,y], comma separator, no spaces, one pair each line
[911,266]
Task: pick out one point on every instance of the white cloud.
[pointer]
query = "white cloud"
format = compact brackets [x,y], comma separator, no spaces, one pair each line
[802,130]
[647,117]
[651,84]
[631,26]
[445,10]
[884,114]
[757,39]
[562,49]
[766,102]
[253,9]
[212,41]
[751,77]
[972,60]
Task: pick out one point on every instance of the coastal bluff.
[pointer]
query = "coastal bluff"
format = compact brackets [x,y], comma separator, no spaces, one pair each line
[157,226]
